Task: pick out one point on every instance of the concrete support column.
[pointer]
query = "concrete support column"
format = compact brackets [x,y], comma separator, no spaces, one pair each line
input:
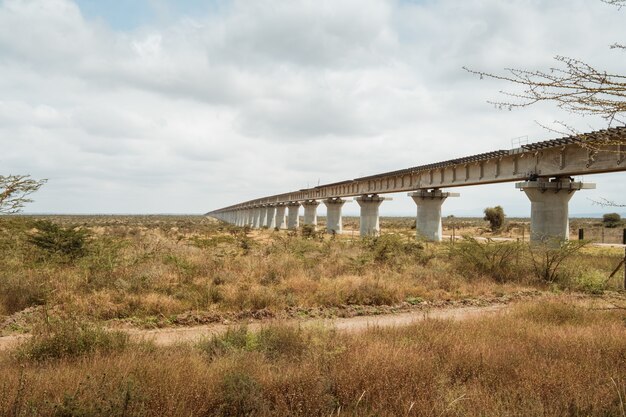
[334,223]
[428,222]
[310,213]
[270,217]
[250,217]
[281,220]
[263,216]
[293,221]
[258,217]
[370,222]
[549,208]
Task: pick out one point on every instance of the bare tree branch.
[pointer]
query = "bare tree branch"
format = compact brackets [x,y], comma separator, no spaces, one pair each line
[14,192]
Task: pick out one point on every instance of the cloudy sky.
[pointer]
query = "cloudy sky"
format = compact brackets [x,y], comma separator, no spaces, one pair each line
[155,106]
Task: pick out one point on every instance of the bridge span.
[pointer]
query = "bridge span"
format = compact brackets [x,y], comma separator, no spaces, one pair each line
[543,170]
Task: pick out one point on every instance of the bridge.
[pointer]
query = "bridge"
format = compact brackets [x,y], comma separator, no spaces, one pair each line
[543,170]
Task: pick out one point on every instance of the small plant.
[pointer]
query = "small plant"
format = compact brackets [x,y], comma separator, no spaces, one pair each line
[611,220]
[61,241]
[308,231]
[495,217]
[69,339]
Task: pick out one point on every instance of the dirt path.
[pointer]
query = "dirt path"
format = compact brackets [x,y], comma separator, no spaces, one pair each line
[170,336]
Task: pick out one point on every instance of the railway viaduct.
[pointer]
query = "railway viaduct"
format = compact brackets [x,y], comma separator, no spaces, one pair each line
[543,170]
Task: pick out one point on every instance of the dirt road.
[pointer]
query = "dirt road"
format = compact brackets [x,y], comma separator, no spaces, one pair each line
[170,336]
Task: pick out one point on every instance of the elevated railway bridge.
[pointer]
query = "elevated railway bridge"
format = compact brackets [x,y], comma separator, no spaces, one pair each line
[543,170]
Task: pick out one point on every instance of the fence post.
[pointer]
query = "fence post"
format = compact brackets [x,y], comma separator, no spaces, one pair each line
[581,234]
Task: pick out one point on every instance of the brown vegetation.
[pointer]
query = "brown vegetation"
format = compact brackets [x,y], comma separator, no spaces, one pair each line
[155,271]
[541,359]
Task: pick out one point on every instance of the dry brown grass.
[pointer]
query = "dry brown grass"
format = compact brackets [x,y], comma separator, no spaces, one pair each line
[150,270]
[541,359]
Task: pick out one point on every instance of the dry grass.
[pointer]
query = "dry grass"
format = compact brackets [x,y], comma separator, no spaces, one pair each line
[542,359]
[151,270]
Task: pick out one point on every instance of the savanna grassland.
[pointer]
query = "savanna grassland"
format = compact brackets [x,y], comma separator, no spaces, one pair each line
[76,284]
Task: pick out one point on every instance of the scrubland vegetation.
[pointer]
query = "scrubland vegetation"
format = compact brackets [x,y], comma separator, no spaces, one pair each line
[70,281]
[540,359]
[157,271]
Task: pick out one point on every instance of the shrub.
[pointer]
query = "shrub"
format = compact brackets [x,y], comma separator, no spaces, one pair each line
[500,261]
[495,217]
[61,241]
[240,394]
[69,339]
[19,291]
[611,220]
[274,341]
[548,260]
[389,247]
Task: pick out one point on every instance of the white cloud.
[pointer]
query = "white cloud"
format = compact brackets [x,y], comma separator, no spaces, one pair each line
[262,97]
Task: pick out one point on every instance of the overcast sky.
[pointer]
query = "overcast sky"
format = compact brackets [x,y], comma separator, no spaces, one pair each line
[154,106]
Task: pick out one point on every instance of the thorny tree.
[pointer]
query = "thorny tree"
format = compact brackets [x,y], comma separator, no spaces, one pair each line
[14,192]
[574,86]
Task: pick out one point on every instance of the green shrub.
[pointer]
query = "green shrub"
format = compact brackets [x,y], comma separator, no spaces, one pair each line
[70,339]
[275,341]
[611,220]
[548,260]
[495,217]
[391,247]
[66,242]
[240,394]
[498,260]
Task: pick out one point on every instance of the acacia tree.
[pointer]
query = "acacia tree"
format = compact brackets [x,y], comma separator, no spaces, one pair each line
[576,87]
[14,192]
[573,85]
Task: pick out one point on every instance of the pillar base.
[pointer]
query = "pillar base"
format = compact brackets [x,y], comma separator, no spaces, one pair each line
[293,220]
[428,219]
[281,219]
[310,213]
[549,207]
[334,221]
[370,221]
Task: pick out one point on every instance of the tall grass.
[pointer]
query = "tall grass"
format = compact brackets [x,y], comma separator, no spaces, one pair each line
[541,359]
[160,270]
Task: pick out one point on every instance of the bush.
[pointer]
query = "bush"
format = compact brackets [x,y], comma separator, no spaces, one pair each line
[548,260]
[389,247]
[499,261]
[20,291]
[611,220]
[61,241]
[240,394]
[495,217]
[275,341]
[69,339]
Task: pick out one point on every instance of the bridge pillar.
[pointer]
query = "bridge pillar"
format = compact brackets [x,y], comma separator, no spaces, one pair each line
[258,217]
[310,213]
[334,223]
[281,220]
[270,218]
[428,219]
[370,222]
[549,208]
[293,221]
[250,216]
